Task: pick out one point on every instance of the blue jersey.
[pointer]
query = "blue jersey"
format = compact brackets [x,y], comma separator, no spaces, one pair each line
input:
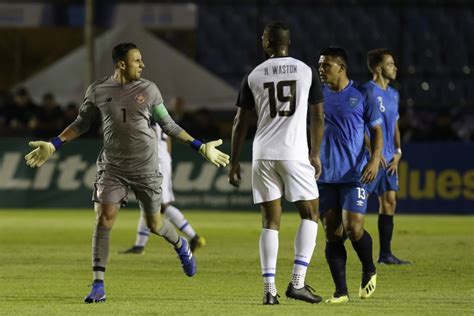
[342,149]
[386,103]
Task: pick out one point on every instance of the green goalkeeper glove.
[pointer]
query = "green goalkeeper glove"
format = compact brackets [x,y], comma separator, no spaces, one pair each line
[38,156]
[213,155]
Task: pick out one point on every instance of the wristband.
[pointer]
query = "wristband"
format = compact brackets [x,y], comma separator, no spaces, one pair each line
[57,142]
[196,144]
[399,151]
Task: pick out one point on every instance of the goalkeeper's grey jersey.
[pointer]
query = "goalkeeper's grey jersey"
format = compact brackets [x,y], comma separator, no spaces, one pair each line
[126,113]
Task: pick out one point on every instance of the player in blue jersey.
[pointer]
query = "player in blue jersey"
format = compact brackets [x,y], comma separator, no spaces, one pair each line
[346,170]
[385,99]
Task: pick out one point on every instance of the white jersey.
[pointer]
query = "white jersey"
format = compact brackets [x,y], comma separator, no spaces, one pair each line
[164,162]
[280,89]
[162,140]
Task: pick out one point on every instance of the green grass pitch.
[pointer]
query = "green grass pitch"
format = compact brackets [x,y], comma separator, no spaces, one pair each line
[45,268]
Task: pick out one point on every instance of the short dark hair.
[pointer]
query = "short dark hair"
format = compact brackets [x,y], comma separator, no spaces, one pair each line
[48,95]
[335,52]
[21,92]
[375,57]
[120,51]
[278,33]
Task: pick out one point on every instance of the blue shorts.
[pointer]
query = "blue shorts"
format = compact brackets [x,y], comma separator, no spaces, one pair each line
[384,182]
[347,196]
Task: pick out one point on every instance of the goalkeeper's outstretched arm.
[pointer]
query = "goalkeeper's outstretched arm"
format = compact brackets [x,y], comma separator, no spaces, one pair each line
[207,150]
[43,149]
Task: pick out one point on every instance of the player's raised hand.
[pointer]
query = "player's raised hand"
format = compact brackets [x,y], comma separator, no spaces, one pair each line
[370,172]
[234,175]
[213,155]
[38,156]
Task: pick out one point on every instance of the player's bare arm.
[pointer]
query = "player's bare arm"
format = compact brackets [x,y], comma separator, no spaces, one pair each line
[371,169]
[383,162]
[239,132]
[316,122]
[393,165]
[169,145]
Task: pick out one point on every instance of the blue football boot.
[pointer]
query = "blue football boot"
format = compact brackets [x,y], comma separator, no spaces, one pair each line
[187,259]
[97,293]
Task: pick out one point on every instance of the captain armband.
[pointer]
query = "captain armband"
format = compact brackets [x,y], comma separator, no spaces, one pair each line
[160,112]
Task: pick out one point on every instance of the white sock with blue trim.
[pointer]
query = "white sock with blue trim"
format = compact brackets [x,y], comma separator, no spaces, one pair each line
[268,246]
[305,242]
[177,218]
[143,233]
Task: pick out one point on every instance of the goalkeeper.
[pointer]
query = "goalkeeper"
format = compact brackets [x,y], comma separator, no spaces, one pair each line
[128,106]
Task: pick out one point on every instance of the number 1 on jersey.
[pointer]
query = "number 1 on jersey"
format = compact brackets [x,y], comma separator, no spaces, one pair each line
[124,112]
[280,95]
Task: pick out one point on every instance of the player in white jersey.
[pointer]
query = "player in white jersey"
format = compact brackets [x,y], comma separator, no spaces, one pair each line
[167,198]
[279,91]
[127,105]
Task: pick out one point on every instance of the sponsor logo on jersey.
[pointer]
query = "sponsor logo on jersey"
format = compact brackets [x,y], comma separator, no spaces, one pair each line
[140,98]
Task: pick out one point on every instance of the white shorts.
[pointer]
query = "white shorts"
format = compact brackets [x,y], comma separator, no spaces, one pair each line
[294,178]
[167,194]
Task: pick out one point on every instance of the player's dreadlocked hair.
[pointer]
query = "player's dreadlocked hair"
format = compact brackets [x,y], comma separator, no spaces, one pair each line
[375,57]
[120,51]
[335,52]
[278,34]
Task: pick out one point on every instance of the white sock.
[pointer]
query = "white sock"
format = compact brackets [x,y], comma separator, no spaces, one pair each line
[268,246]
[177,218]
[143,233]
[98,275]
[305,242]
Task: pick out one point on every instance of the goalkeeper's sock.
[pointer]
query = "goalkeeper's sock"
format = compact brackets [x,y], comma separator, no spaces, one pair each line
[363,247]
[143,233]
[169,233]
[100,251]
[305,242]
[268,258]
[336,257]
[177,218]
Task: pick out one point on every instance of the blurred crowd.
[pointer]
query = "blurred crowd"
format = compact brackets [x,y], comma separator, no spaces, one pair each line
[428,124]
[21,116]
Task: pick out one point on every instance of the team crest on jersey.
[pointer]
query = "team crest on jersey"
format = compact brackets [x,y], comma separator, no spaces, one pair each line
[140,98]
[353,101]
